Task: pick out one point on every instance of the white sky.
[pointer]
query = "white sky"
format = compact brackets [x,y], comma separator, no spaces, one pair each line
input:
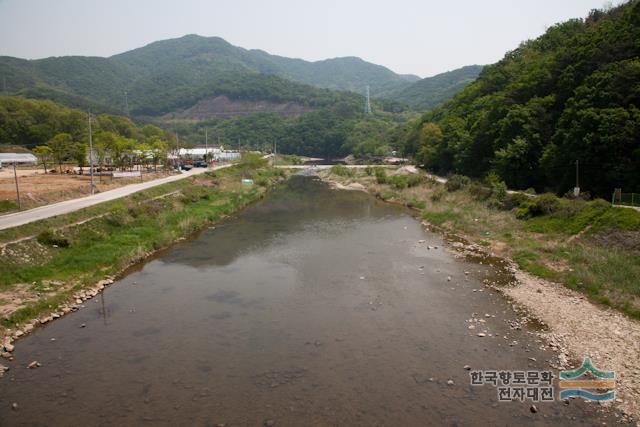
[422,37]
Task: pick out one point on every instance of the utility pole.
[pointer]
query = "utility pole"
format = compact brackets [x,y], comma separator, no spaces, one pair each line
[175,160]
[206,145]
[91,153]
[15,175]
[126,104]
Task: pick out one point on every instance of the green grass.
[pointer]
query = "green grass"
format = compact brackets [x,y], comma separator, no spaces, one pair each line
[439,218]
[8,206]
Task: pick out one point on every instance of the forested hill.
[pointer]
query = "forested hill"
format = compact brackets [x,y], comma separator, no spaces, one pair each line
[170,75]
[433,91]
[571,94]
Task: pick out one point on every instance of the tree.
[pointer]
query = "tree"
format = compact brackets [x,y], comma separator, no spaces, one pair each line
[431,138]
[78,153]
[60,146]
[158,151]
[43,153]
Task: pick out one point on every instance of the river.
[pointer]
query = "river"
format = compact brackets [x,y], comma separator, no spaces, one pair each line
[312,307]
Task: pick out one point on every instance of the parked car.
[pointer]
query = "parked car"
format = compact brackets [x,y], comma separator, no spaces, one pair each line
[200,164]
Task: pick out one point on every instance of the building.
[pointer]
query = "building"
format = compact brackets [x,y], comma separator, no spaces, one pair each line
[17,158]
[215,152]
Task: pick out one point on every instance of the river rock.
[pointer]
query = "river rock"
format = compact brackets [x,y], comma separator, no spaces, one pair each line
[450,382]
[18,333]
[14,406]
[33,365]
[482,334]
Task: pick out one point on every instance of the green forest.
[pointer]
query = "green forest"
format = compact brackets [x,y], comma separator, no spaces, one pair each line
[570,95]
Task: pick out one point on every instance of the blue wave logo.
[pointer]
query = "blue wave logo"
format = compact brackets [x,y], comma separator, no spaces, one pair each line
[588,382]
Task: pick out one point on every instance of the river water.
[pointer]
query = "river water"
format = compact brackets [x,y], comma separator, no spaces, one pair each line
[313,307]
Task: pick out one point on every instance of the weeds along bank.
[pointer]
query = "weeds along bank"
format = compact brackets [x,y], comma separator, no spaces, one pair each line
[588,246]
[50,267]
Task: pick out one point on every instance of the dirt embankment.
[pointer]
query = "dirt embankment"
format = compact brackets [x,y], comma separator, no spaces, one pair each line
[222,106]
[575,327]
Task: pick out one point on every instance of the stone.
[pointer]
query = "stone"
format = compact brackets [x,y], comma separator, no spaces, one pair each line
[269,423]
[83,326]
[14,406]
[18,333]
[533,409]
[466,367]
[450,382]
[482,334]
[33,365]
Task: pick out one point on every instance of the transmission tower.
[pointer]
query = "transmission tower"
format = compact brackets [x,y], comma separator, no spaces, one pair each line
[367,104]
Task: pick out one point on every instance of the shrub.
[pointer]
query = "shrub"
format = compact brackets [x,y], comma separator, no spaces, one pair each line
[438,195]
[543,205]
[342,171]
[252,161]
[369,170]
[457,182]
[381,176]
[49,238]
[479,192]
[514,200]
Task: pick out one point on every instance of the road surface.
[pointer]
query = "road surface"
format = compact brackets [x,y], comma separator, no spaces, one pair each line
[20,218]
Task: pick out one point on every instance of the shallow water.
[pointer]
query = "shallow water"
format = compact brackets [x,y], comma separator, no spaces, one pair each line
[312,307]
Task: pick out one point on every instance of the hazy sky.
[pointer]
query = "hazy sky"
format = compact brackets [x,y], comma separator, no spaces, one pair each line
[421,37]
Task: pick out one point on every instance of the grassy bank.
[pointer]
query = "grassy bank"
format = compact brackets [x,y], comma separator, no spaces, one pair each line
[588,246]
[43,264]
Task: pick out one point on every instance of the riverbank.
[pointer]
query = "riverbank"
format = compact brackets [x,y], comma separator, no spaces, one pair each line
[50,267]
[539,257]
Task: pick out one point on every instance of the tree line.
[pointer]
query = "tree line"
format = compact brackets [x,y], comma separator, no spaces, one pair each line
[570,95]
[57,134]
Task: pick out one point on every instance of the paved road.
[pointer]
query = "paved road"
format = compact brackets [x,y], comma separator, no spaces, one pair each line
[61,208]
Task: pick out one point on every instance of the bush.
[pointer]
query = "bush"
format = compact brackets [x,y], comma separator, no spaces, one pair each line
[342,171]
[545,204]
[479,192]
[369,170]
[252,161]
[49,238]
[438,195]
[457,182]
[404,181]
[381,176]
[514,200]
